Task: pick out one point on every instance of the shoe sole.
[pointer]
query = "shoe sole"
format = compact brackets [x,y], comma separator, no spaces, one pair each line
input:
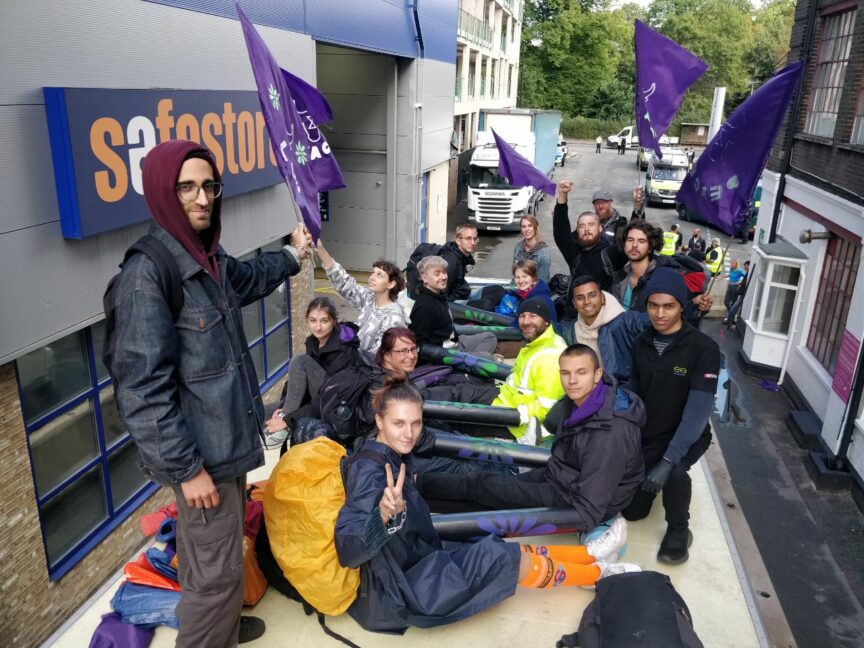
[663,558]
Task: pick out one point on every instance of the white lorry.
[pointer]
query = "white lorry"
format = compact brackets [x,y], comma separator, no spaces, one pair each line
[493,203]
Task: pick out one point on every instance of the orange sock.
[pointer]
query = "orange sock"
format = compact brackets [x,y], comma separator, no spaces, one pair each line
[576,554]
[546,572]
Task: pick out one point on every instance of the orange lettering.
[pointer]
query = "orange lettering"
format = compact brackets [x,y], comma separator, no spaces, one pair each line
[209,125]
[187,128]
[246,141]
[164,120]
[228,119]
[106,155]
[260,141]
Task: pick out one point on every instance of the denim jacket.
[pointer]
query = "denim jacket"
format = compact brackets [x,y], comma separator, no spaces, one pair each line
[187,390]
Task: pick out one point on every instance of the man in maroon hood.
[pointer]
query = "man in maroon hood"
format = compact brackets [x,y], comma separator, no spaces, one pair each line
[187,388]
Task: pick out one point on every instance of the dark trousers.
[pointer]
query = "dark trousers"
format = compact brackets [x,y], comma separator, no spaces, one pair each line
[475,491]
[598,149]
[678,488]
[210,550]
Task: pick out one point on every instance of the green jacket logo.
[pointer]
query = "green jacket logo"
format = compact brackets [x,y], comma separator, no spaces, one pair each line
[680,371]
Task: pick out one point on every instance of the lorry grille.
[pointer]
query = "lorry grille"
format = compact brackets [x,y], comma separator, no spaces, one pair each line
[494,210]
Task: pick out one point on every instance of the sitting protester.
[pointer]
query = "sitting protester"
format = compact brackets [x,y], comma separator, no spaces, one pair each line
[533,386]
[596,464]
[506,301]
[376,303]
[408,576]
[430,318]
[330,348]
[603,325]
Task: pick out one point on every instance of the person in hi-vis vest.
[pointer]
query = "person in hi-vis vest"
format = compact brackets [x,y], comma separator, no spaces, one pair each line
[671,241]
[714,257]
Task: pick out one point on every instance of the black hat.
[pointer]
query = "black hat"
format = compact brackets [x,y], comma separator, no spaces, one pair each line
[669,282]
[536,305]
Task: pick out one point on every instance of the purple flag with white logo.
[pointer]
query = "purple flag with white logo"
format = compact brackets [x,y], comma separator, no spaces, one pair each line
[720,186]
[664,71]
[292,110]
[519,171]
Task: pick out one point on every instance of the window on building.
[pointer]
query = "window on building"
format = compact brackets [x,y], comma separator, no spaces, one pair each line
[858,125]
[836,285]
[830,73]
[775,291]
[85,467]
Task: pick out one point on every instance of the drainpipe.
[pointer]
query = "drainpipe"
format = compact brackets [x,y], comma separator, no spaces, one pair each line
[809,35]
[392,148]
[839,462]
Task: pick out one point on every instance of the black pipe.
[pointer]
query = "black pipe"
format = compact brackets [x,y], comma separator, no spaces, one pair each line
[486,450]
[794,116]
[470,413]
[839,462]
[479,315]
[515,523]
[483,367]
[505,333]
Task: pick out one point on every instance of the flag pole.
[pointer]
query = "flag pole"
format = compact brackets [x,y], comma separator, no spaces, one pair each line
[722,261]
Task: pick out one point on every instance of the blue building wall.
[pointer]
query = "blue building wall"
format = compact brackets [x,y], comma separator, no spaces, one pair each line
[386,26]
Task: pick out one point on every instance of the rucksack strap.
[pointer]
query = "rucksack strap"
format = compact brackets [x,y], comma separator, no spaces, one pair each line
[568,641]
[169,272]
[335,635]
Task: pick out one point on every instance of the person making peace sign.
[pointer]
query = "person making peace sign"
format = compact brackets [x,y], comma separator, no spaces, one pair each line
[408,576]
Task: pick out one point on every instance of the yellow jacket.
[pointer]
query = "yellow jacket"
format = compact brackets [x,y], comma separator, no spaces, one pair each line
[535,381]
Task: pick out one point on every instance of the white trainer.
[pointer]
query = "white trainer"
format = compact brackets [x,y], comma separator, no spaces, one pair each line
[610,569]
[607,547]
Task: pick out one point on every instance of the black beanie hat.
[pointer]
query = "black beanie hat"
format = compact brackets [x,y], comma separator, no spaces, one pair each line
[669,282]
[536,305]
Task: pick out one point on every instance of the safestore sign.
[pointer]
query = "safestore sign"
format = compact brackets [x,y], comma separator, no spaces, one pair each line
[99,138]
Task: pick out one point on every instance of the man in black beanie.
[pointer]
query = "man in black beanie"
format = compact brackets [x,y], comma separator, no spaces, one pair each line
[674,372]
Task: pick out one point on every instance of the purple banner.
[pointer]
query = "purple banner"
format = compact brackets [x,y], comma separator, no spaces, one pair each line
[720,187]
[292,110]
[664,71]
[844,370]
[519,171]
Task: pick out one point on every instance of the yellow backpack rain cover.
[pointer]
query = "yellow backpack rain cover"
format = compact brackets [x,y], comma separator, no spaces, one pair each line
[301,502]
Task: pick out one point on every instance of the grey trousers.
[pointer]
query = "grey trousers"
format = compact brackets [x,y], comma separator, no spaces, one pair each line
[210,550]
[305,376]
[482,344]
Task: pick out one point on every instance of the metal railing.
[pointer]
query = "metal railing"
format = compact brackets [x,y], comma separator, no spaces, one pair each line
[474,29]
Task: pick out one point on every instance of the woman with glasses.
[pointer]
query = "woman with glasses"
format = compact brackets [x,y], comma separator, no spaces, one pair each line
[330,348]
[376,302]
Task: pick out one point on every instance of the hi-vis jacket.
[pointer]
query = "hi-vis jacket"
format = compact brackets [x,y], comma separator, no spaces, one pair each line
[535,381]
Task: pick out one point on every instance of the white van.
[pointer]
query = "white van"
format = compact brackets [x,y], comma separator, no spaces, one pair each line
[664,177]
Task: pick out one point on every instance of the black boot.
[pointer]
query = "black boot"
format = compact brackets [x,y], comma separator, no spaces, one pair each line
[673,549]
[250,628]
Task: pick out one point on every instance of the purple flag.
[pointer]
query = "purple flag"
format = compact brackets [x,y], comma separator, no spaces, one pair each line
[519,171]
[664,71]
[292,110]
[720,187]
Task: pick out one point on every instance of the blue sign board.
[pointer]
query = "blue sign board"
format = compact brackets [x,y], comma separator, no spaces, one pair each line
[100,136]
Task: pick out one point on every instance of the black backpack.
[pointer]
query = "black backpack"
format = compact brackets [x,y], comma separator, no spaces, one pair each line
[412,277]
[171,284]
[342,401]
[635,610]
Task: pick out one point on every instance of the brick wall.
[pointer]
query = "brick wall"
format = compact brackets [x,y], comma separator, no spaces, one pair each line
[33,607]
[830,163]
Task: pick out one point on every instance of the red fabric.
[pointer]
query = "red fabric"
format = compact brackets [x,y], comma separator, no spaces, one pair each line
[141,573]
[523,294]
[254,517]
[695,281]
[150,522]
[161,168]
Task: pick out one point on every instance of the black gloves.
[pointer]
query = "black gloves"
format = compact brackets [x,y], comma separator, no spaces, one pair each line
[657,476]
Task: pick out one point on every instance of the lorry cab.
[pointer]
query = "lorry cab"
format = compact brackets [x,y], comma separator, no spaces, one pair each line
[664,176]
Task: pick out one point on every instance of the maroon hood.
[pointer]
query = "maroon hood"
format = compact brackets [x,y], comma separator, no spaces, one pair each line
[161,168]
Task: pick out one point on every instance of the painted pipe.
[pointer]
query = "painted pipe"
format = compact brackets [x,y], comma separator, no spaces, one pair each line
[515,523]
[503,333]
[477,315]
[483,367]
[470,413]
[488,450]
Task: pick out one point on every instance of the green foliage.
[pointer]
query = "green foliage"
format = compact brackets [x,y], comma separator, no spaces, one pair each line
[577,55]
[589,128]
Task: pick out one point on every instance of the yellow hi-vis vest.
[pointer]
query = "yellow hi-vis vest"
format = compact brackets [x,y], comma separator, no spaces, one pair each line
[714,260]
[670,242]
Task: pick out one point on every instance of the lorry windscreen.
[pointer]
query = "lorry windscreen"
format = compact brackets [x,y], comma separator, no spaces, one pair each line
[486,177]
